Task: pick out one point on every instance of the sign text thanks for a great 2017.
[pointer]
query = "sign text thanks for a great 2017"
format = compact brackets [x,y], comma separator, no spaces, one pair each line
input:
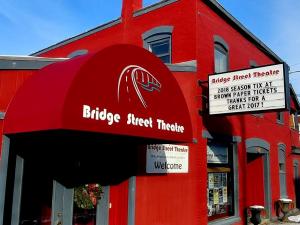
[249,90]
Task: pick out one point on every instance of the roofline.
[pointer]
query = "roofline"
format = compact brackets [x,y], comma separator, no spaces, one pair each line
[29,58]
[223,12]
[294,95]
[212,3]
[35,63]
[26,62]
[79,36]
[104,26]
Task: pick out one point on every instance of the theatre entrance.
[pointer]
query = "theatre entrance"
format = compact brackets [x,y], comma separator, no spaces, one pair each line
[73,180]
[76,125]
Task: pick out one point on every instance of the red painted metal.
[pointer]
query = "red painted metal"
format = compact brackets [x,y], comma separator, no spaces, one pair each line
[118,211]
[10,81]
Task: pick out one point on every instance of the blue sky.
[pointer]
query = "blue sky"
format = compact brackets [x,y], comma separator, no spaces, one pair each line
[276,23]
[31,25]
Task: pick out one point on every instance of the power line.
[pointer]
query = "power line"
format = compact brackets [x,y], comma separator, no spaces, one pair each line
[297,71]
[295,64]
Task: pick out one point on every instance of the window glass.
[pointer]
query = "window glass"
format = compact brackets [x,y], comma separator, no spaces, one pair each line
[282,171]
[158,40]
[220,181]
[293,120]
[165,59]
[280,117]
[221,58]
[161,48]
[36,195]
[253,64]
[86,198]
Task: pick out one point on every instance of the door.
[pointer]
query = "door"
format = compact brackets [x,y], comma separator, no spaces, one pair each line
[62,204]
[297,183]
[35,195]
[80,205]
[255,179]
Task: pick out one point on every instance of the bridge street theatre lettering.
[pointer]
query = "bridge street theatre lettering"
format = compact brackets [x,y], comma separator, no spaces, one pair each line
[256,89]
[166,158]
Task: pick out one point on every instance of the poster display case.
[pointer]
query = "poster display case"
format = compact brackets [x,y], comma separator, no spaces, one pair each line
[219,182]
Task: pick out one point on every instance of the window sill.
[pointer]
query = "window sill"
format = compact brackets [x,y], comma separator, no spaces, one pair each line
[227,221]
[2,115]
[259,115]
[280,122]
[296,151]
[189,66]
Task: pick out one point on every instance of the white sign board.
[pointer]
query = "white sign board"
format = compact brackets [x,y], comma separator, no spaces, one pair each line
[257,89]
[165,158]
[217,154]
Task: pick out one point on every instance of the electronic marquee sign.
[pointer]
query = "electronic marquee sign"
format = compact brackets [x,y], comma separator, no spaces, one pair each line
[258,89]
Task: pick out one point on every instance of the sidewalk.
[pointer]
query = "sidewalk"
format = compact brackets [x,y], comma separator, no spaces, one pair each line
[287,223]
[277,223]
[293,215]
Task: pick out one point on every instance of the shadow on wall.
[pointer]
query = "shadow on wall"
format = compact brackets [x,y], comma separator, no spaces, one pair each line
[74,158]
[297,192]
[217,124]
[221,168]
[224,127]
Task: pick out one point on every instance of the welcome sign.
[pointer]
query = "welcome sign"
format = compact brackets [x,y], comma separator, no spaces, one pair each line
[166,158]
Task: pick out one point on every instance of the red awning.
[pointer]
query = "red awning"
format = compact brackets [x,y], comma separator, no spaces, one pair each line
[122,90]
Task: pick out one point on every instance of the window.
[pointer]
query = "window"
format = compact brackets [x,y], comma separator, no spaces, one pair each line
[282,170]
[86,202]
[297,182]
[82,205]
[161,48]
[293,120]
[220,59]
[220,55]
[35,200]
[253,64]
[159,41]
[279,117]
[220,181]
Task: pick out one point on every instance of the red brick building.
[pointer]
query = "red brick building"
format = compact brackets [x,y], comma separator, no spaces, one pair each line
[46,154]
